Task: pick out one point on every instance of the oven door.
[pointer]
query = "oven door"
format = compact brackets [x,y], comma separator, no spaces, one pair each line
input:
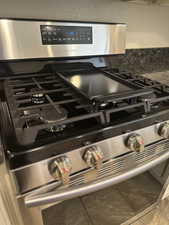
[48,205]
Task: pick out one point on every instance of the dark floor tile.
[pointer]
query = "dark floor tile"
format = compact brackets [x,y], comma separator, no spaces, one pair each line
[69,212]
[140,191]
[107,207]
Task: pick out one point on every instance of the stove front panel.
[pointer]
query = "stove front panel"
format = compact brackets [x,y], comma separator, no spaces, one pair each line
[111,149]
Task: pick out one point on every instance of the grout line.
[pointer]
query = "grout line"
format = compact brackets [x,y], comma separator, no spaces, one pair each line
[88,215]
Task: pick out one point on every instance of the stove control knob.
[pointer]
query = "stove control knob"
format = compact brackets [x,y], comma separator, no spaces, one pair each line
[135,142]
[61,168]
[164,130]
[93,157]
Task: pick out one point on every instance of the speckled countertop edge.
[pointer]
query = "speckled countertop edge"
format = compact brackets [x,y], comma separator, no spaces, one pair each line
[162,77]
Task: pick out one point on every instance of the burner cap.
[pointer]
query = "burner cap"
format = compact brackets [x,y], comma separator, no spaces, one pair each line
[49,114]
[37,98]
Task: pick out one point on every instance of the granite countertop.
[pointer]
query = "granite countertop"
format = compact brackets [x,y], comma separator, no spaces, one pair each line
[162,77]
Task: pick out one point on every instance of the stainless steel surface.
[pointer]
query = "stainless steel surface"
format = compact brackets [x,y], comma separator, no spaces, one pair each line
[1,153]
[61,168]
[96,84]
[41,197]
[111,148]
[22,39]
[16,44]
[164,130]
[135,142]
[2,158]
[9,209]
[93,157]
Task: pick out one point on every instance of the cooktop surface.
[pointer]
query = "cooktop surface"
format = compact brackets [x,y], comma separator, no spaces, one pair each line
[43,106]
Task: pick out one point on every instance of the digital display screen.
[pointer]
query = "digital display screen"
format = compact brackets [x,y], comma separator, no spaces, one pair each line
[71,33]
[55,35]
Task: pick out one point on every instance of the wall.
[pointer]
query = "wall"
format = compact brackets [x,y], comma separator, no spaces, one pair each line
[148,25]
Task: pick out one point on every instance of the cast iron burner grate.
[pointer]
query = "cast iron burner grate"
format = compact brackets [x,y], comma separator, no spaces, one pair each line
[153,102]
[48,91]
[29,95]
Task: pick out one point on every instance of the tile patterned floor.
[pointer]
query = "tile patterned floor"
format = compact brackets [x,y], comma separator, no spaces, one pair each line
[140,191]
[110,206]
[107,207]
[67,213]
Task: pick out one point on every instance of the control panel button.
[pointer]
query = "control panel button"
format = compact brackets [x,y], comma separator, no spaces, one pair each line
[135,142]
[164,130]
[93,157]
[60,169]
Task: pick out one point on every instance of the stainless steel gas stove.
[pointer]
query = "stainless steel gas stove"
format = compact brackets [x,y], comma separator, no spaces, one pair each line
[71,125]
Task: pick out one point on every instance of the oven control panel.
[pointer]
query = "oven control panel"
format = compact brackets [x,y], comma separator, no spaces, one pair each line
[59,35]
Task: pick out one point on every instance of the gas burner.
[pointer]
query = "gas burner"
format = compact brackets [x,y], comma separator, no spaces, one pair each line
[53,114]
[37,98]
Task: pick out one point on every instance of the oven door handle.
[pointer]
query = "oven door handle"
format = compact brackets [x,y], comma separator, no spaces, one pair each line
[39,198]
